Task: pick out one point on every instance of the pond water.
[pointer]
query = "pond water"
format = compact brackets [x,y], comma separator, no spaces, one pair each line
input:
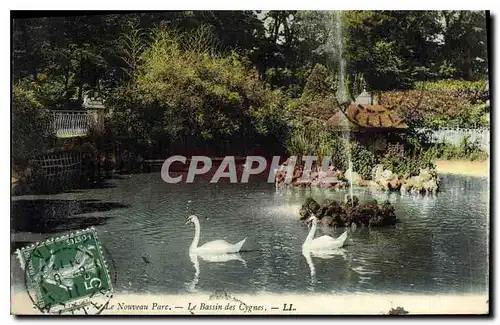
[440,245]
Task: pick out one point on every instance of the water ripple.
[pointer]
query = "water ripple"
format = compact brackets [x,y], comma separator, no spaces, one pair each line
[439,246]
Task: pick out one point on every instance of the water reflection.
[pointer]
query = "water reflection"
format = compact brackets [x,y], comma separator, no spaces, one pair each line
[211,258]
[325,255]
[440,246]
[191,286]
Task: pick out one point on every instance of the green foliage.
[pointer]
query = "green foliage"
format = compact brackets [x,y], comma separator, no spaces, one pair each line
[464,52]
[458,85]
[467,150]
[447,69]
[409,161]
[471,150]
[363,159]
[311,140]
[320,84]
[300,142]
[195,95]
[405,163]
[325,145]
[31,124]
[428,157]
[286,56]
[355,85]
[315,141]
[131,46]
[49,92]
[394,49]
[391,48]
[390,70]
[208,78]
[339,153]
[441,103]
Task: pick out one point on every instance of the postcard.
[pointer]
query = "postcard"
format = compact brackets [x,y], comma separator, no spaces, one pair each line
[250,163]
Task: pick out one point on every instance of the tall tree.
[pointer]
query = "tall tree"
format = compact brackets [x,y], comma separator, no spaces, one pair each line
[465,43]
[392,48]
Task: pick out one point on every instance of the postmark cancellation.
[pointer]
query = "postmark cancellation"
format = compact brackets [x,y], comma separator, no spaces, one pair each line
[67,274]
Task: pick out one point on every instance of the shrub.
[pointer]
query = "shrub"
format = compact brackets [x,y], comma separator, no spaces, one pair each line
[320,83]
[32,130]
[339,154]
[51,91]
[442,103]
[188,96]
[470,149]
[394,159]
[407,163]
[300,142]
[467,150]
[475,91]
[363,159]
[311,140]
[317,141]
[429,157]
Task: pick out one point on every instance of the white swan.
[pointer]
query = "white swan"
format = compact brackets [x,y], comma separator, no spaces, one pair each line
[213,247]
[323,243]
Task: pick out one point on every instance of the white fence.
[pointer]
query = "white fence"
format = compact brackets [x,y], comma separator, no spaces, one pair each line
[455,136]
[68,123]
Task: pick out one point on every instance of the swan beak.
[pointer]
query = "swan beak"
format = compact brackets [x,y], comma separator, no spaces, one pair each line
[187,222]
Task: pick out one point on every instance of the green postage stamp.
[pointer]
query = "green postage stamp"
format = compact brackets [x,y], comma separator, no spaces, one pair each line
[67,274]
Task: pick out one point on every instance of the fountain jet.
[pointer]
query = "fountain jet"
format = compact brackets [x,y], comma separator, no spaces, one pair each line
[341,95]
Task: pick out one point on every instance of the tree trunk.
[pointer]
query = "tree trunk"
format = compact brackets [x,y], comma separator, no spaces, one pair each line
[468,65]
[80,83]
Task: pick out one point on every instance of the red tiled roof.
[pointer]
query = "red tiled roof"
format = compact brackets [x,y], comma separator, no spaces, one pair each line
[356,117]
[374,116]
[339,121]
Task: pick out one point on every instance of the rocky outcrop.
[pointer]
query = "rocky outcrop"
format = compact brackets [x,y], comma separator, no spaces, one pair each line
[341,214]
[309,207]
[355,177]
[385,179]
[309,178]
[427,182]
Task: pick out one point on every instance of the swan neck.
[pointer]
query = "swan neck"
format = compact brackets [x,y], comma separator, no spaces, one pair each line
[310,236]
[197,231]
